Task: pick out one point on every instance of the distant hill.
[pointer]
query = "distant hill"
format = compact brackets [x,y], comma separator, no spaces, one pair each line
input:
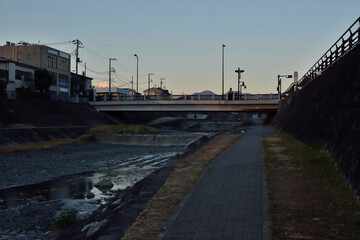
[206,92]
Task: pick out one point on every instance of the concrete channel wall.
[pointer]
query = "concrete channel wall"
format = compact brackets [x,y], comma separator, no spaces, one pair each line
[155,140]
[327,113]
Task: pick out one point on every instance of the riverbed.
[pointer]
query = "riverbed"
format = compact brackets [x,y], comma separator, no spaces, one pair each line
[36,186]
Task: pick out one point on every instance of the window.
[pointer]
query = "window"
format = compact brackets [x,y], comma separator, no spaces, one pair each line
[4,75]
[18,75]
[22,75]
[64,83]
[64,64]
[52,60]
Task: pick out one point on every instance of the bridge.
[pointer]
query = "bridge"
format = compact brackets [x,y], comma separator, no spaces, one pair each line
[191,103]
[348,42]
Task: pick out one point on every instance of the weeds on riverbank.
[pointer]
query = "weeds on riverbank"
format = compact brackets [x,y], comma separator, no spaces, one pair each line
[124,128]
[65,220]
[107,129]
[43,145]
[158,210]
[308,197]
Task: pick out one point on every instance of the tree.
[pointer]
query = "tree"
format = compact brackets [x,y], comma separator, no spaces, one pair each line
[42,80]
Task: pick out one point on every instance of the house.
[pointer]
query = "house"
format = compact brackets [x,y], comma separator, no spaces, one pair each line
[15,76]
[41,56]
[117,93]
[81,85]
[156,92]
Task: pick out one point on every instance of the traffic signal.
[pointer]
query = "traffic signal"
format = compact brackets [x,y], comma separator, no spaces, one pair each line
[288,76]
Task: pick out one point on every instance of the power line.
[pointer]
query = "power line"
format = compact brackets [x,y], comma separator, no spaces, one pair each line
[120,76]
[96,54]
[56,43]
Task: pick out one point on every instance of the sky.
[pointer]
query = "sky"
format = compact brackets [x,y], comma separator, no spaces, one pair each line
[181,40]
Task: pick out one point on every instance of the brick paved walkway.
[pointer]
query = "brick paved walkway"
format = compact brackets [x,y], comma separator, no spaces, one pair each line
[229,201]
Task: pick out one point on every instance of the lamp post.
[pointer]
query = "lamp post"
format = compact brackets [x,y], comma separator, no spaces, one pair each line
[137,72]
[222,95]
[239,71]
[279,84]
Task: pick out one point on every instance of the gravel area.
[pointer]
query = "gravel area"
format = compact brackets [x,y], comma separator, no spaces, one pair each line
[34,219]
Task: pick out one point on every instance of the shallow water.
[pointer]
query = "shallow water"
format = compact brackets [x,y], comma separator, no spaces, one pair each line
[79,192]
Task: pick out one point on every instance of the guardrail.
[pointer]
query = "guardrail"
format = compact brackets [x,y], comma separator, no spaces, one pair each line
[347,42]
[185,97]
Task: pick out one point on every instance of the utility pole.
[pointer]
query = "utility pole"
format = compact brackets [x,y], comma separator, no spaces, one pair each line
[78,45]
[110,71]
[161,82]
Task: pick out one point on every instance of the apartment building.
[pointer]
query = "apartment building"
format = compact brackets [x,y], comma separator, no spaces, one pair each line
[16,75]
[58,63]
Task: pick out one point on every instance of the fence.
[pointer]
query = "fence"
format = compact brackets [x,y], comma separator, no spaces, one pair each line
[347,42]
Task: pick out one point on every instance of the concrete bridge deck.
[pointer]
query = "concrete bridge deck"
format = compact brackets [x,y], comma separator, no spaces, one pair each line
[188,105]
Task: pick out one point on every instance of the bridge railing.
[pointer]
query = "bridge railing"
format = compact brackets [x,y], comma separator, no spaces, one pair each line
[184,97]
[347,42]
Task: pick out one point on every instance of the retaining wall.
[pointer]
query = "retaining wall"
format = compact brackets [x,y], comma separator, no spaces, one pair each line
[327,113]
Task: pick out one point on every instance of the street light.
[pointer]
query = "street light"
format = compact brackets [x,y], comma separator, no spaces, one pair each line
[222,96]
[239,71]
[137,72]
[279,84]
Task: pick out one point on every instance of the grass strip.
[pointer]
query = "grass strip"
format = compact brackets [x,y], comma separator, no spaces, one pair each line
[43,145]
[107,129]
[308,197]
[179,183]
[124,128]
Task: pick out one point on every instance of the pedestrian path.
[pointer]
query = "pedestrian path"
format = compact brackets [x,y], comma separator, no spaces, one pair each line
[229,200]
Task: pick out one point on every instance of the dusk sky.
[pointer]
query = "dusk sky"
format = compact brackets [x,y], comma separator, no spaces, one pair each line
[181,40]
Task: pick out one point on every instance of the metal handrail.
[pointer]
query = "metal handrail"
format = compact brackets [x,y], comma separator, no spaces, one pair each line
[184,97]
[346,43]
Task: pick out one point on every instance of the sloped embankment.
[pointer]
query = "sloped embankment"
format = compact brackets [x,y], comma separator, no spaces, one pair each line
[327,113]
[27,121]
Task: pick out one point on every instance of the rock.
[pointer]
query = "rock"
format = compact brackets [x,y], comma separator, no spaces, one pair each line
[93,227]
[104,185]
[77,196]
[90,195]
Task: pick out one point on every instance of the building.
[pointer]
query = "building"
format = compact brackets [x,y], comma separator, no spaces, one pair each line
[81,85]
[117,93]
[158,92]
[15,76]
[58,63]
